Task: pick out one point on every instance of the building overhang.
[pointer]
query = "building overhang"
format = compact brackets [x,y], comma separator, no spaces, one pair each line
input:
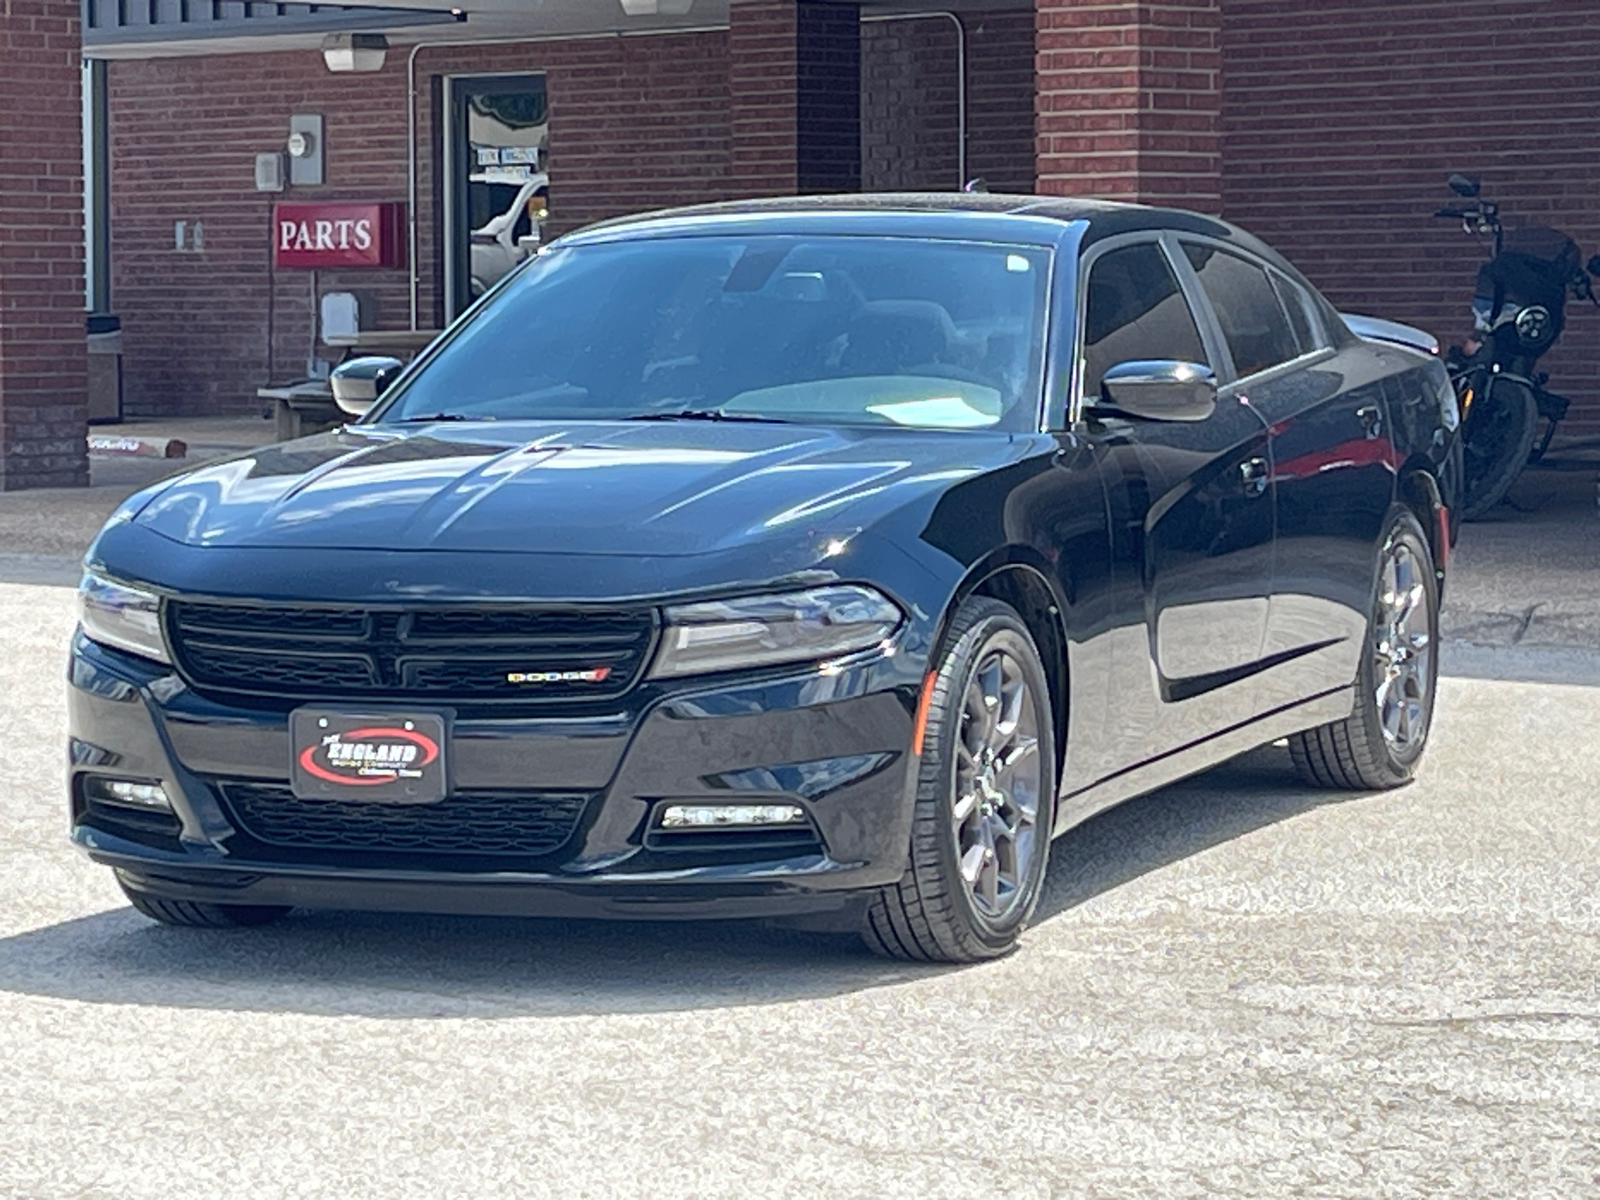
[168,28]
[155,28]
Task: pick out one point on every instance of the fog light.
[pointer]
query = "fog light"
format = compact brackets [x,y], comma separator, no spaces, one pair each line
[128,793]
[692,816]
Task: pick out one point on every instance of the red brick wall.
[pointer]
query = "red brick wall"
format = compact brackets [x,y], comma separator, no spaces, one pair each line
[762,76]
[183,136]
[636,123]
[910,103]
[1342,118]
[828,108]
[910,106]
[1000,134]
[1129,100]
[793,97]
[42,361]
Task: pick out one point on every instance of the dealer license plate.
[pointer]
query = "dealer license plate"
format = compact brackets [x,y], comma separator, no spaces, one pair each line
[387,758]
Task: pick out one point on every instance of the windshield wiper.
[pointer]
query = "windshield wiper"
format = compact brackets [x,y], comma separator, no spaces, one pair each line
[704,414]
[441,416]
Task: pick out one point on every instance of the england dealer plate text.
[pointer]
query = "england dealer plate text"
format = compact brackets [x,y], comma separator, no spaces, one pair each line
[387,758]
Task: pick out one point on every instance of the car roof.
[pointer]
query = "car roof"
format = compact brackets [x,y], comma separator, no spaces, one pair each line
[1058,208]
[935,214]
[984,216]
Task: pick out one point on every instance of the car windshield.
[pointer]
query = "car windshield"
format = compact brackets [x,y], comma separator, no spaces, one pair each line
[821,330]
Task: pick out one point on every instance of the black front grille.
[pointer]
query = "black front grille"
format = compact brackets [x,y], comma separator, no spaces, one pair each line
[298,653]
[521,824]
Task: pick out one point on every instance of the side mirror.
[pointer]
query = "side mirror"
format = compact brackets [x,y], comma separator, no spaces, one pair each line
[358,383]
[1593,265]
[1464,185]
[1159,390]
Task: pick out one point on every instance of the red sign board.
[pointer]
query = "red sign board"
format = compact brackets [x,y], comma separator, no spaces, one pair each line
[337,235]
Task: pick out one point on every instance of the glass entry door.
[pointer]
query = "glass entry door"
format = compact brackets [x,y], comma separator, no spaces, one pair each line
[496,180]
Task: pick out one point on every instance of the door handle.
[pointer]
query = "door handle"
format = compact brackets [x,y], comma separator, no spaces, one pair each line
[1255,474]
[1371,418]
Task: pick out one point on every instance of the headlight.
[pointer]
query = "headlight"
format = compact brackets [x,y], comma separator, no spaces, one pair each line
[722,635]
[1534,325]
[121,616]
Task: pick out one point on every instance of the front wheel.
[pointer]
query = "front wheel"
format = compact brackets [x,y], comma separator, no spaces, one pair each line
[196,914]
[1381,742]
[981,828]
[1497,441]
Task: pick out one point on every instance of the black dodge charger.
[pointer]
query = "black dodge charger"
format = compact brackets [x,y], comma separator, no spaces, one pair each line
[817,560]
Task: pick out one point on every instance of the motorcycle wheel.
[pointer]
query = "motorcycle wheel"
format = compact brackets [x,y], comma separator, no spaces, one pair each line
[1496,443]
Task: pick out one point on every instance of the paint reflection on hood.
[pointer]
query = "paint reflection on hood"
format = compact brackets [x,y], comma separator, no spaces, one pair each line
[656,489]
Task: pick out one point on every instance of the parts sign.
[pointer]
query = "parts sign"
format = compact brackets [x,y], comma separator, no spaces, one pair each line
[337,235]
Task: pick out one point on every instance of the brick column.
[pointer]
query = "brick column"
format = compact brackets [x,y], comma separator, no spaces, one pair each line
[794,97]
[42,349]
[1000,100]
[1130,100]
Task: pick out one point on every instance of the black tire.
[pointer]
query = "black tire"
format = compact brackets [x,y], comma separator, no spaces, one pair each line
[931,914]
[196,914]
[1356,753]
[1496,440]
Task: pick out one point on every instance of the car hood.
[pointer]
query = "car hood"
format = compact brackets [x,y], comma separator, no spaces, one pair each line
[657,489]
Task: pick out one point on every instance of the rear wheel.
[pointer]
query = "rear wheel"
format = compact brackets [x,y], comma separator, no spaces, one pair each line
[1497,440]
[197,914]
[981,829]
[1381,742]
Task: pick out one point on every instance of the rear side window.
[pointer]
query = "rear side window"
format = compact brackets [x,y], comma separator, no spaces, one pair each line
[1135,310]
[1253,323]
[1298,306]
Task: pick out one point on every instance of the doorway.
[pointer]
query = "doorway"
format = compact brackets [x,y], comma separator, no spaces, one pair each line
[496,180]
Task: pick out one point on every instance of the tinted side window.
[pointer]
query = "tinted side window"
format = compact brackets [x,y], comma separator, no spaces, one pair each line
[1298,305]
[1135,310]
[1252,320]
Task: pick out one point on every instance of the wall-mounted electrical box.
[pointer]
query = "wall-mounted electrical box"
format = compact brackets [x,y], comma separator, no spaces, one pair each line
[305,150]
[270,171]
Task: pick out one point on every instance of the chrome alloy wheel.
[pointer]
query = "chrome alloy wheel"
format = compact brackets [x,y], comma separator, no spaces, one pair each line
[996,785]
[1402,650]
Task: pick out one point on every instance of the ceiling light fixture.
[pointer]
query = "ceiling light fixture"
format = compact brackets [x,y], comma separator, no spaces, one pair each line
[354,51]
[656,8]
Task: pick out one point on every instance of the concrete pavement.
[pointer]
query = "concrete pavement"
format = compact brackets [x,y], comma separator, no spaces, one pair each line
[1527,579]
[1235,986]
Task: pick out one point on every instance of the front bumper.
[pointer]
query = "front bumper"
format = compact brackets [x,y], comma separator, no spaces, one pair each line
[834,743]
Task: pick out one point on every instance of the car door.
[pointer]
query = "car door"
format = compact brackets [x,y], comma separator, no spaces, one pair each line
[1191,516]
[1333,461]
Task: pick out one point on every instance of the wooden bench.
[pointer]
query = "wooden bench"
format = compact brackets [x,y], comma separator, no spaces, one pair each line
[306,406]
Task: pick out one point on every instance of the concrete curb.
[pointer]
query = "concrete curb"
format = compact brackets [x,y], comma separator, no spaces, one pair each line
[103,445]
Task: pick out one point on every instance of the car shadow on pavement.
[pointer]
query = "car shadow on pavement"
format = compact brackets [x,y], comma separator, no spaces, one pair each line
[1255,790]
[402,967]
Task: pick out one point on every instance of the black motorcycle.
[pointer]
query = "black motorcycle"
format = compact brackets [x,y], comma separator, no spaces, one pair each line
[1519,310]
